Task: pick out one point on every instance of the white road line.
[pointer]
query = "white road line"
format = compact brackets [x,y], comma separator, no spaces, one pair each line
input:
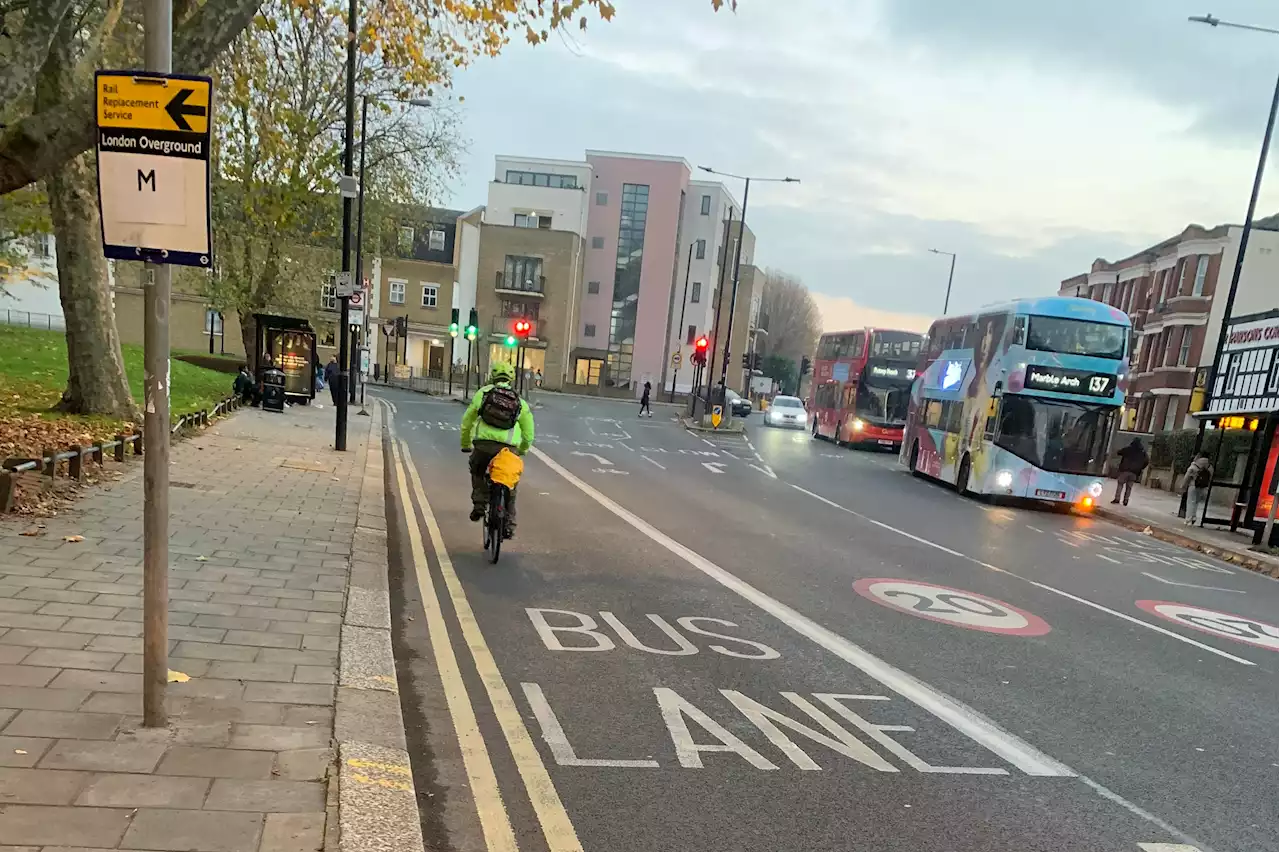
[1109,559]
[964,719]
[1193,585]
[652,462]
[708,443]
[1034,529]
[765,469]
[1038,585]
[1167,847]
[714,467]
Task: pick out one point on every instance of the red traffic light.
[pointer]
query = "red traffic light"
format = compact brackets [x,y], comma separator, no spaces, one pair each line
[523,327]
[701,343]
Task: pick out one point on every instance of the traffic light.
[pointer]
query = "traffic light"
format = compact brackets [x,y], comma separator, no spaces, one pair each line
[402,326]
[511,340]
[523,328]
[453,323]
[804,365]
[473,325]
[700,347]
[746,360]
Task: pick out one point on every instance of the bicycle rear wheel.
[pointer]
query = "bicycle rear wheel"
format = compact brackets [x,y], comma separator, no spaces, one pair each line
[495,521]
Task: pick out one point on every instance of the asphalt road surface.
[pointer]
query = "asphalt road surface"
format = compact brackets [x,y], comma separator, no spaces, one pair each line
[724,643]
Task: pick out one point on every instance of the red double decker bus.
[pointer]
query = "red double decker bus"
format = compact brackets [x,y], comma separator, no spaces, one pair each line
[862,386]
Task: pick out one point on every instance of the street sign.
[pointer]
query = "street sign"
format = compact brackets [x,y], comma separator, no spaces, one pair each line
[344,285]
[364,360]
[153,166]
[355,316]
[675,358]
[357,299]
[717,414]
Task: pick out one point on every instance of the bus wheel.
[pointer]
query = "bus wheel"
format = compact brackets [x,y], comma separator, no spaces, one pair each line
[962,476]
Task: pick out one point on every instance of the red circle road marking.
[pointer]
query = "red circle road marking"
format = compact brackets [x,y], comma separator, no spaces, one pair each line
[951,606]
[1237,628]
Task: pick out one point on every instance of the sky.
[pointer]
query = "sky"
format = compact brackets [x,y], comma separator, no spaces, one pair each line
[1026,137]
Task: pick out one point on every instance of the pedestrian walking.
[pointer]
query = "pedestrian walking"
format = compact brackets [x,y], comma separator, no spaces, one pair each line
[331,371]
[644,400]
[1133,460]
[1195,483]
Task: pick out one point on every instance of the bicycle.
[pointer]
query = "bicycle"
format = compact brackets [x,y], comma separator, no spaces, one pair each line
[494,525]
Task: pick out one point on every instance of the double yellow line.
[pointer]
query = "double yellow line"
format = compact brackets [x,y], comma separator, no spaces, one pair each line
[494,819]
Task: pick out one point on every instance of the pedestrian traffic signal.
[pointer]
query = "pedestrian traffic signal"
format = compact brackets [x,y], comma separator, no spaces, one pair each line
[804,365]
[511,340]
[523,327]
[453,323]
[746,361]
[473,325]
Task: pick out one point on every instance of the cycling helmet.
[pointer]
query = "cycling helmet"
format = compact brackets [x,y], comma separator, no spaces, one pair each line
[502,372]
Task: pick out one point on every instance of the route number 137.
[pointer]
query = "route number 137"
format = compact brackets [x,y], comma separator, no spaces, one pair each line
[1098,384]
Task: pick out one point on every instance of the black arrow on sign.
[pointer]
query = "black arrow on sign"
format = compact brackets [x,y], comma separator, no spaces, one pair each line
[178,108]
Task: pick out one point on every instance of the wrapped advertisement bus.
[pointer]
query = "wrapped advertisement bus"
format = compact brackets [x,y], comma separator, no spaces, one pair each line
[1020,399]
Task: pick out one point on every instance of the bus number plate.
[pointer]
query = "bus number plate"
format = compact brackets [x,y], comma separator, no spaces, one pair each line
[1044,492]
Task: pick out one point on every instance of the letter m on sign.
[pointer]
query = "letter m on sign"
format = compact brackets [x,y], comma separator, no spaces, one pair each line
[147,178]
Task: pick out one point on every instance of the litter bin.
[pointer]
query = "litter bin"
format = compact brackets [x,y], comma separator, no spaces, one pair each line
[272,389]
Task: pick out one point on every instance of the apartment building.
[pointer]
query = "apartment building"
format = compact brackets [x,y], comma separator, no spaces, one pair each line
[1174,293]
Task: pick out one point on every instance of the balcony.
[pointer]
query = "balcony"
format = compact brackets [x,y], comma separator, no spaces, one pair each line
[502,326]
[527,287]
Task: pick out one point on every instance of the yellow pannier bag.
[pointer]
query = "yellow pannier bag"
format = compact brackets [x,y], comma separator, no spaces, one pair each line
[505,469]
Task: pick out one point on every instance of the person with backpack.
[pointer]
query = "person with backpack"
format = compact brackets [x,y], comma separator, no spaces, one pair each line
[1196,485]
[1133,460]
[496,419]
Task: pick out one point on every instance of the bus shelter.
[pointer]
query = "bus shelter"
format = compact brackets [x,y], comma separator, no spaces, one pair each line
[1244,396]
[290,344]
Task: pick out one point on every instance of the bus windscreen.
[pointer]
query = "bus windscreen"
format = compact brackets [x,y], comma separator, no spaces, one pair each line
[1056,435]
[1077,337]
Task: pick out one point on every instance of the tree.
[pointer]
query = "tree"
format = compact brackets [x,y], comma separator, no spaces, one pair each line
[794,321]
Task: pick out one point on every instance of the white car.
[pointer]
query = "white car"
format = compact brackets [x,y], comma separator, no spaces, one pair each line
[786,411]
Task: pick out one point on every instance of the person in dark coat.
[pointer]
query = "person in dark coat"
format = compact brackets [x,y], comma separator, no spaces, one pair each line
[1133,460]
[331,371]
[644,400]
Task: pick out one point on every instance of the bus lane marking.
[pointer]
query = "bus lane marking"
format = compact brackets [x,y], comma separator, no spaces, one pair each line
[548,808]
[652,462]
[968,721]
[1043,586]
[1224,624]
[951,606]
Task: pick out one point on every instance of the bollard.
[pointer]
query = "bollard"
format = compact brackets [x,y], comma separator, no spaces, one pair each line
[137,444]
[96,453]
[120,447]
[8,484]
[75,464]
[51,465]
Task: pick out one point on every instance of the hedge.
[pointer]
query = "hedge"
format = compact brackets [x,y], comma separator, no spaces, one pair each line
[1176,448]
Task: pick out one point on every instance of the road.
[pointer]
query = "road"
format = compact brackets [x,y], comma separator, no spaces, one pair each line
[724,643]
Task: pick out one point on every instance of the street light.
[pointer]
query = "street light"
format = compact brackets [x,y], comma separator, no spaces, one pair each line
[946,302]
[1244,232]
[737,266]
[364,126]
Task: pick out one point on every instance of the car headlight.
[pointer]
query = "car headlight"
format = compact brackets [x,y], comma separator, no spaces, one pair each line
[1095,489]
[858,424]
[1004,479]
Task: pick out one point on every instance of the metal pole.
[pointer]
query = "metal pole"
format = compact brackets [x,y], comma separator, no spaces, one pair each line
[348,156]
[453,343]
[688,265]
[733,299]
[709,368]
[359,282]
[946,302]
[158,47]
[467,390]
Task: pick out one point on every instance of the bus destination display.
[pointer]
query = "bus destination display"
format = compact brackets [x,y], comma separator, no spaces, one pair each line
[1070,381]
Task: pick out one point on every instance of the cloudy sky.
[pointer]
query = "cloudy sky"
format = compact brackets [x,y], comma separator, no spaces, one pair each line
[1026,137]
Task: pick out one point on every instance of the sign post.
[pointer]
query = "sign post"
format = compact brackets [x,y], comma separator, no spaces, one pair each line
[153,194]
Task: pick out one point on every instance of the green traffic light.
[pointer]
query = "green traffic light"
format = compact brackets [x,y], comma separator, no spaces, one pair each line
[511,341]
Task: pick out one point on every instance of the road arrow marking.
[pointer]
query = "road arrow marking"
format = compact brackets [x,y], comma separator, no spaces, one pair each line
[600,460]
[766,470]
[1193,585]
[714,467]
[179,109]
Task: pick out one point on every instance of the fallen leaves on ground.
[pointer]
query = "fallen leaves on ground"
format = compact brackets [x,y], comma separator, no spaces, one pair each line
[32,532]
[73,539]
[178,677]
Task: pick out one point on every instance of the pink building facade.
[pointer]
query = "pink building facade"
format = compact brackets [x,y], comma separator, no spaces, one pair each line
[633,234]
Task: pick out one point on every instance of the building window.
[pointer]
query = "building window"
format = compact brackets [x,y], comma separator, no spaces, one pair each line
[327,336]
[587,371]
[526,220]
[1202,268]
[509,308]
[691,334]
[429,292]
[1171,415]
[597,242]
[541,179]
[593,287]
[396,290]
[700,250]
[42,245]
[328,295]
[1184,351]
[602,198]
[522,273]
[435,242]
[696,295]
[405,240]
[1175,286]
[589,330]
[706,205]
[212,321]
[629,260]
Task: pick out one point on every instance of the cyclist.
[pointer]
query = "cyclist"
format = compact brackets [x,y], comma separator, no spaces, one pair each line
[497,418]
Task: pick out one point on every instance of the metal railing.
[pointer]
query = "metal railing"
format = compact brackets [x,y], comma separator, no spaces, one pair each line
[530,285]
[29,319]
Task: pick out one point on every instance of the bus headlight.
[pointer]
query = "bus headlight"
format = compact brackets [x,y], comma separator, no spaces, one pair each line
[1095,489]
[858,424]
[1004,479]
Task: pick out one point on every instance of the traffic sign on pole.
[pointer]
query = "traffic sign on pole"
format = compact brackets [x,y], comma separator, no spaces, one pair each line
[153,166]
[675,358]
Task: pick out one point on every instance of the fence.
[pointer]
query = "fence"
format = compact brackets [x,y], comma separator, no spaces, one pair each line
[48,463]
[28,319]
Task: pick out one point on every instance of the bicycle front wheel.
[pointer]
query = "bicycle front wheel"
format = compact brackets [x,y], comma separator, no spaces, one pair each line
[496,521]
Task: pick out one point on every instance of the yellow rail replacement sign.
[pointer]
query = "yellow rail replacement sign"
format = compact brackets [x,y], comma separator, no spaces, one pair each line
[154,136]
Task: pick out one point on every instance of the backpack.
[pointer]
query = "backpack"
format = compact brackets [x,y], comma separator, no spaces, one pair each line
[500,407]
[1203,477]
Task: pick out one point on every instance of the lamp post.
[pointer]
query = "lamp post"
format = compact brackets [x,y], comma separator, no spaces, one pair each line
[946,302]
[359,276]
[1244,234]
[737,263]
